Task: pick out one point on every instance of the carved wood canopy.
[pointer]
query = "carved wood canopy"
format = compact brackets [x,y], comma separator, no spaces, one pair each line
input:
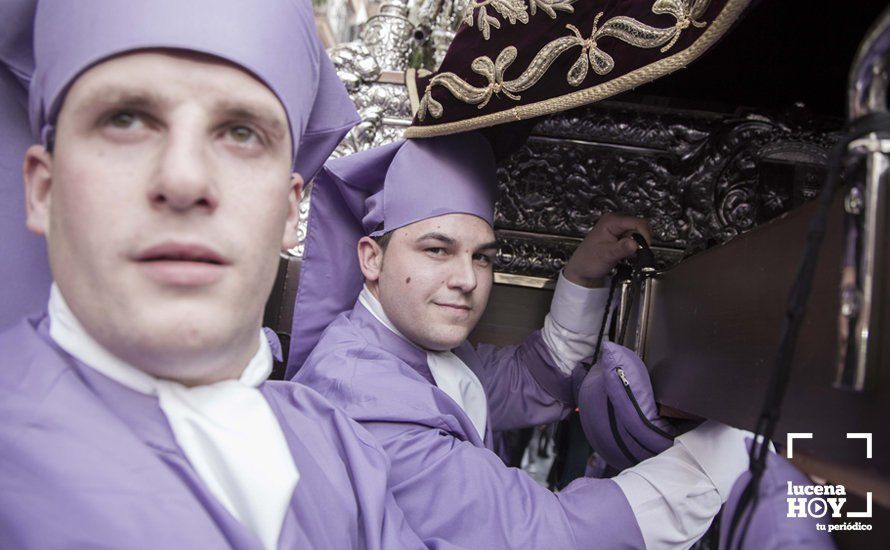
[700,178]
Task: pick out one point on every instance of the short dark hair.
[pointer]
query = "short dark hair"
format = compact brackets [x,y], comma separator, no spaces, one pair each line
[383,240]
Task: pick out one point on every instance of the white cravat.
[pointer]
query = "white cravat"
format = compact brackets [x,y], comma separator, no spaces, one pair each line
[227,430]
[452,375]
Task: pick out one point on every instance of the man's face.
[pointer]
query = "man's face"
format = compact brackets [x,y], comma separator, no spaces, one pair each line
[165,203]
[435,278]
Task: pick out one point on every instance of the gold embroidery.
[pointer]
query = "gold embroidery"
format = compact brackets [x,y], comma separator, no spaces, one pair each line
[550,7]
[511,10]
[684,13]
[626,29]
[541,63]
[637,77]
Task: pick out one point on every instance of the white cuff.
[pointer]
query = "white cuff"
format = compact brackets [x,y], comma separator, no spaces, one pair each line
[571,327]
[720,451]
[577,308]
[673,500]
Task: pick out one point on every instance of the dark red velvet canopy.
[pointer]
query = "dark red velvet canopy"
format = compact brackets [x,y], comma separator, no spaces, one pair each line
[518,59]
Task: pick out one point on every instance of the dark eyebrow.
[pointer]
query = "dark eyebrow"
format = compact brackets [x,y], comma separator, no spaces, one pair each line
[122,97]
[493,245]
[437,236]
[255,114]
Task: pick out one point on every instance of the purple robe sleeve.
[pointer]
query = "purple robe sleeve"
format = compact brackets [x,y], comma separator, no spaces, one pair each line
[453,490]
[523,385]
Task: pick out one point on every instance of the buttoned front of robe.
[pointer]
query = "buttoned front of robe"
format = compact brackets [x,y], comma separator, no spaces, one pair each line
[446,479]
[87,462]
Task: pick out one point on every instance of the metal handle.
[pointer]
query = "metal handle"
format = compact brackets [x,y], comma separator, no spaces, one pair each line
[865,225]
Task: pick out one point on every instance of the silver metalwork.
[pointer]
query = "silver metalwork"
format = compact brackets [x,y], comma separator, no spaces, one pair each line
[524,280]
[635,308]
[387,35]
[861,291]
[625,300]
[853,201]
[850,300]
[642,331]
[373,70]
[441,17]
[869,76]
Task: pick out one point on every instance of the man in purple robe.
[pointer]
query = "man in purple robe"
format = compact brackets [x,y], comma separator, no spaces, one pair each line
[396,359]
[173,139]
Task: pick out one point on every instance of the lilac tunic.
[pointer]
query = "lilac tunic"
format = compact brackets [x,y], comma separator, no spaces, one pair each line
[86,462]
[449,483]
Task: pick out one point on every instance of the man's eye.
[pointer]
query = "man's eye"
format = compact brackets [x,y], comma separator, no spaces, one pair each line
[242,134]
[123,120]
[483,259]
[435,251]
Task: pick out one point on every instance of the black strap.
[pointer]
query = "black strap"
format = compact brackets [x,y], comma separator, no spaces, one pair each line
[606,311]
[797,300]
[643,264]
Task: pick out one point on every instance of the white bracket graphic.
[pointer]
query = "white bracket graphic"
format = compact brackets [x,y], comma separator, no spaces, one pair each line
[867,512]
[867,438]
[800,435]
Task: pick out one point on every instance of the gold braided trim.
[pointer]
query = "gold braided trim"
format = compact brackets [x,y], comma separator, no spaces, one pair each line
[637,77]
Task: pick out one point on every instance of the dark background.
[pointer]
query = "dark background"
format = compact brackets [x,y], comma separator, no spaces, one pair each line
[782,52]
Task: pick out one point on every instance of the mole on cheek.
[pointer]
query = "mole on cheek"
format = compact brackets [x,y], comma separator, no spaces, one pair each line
[408,280]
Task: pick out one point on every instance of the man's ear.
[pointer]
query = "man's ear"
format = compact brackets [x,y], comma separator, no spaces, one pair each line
[37,171]
[290,239]
[370,259]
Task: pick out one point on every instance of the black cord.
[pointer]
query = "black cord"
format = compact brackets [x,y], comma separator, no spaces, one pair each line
[606,311]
